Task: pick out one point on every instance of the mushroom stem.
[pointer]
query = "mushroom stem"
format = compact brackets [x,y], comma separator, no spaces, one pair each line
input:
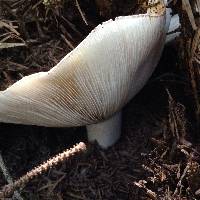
[106,133]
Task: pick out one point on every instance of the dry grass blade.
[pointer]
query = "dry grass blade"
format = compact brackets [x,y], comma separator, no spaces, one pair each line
[188,9]
[67,42]
[9,36]
[9,26]
[194,58]
[11,45]
[10,188]
[13,66]
[195,51]
[177,121]
[81,13]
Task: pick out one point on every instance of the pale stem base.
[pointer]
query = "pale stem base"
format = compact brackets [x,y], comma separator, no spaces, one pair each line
[106,133]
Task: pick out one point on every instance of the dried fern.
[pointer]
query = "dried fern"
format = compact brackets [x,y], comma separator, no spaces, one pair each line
[9,189]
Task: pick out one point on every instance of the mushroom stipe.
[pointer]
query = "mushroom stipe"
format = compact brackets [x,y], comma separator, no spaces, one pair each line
[91,84]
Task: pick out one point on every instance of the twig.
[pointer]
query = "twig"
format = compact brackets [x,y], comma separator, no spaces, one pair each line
[8,177]
[10,188]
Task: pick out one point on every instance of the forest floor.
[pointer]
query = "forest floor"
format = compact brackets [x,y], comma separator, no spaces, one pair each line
[158,154]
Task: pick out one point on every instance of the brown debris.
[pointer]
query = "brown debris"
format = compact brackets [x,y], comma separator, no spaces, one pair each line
[157,156]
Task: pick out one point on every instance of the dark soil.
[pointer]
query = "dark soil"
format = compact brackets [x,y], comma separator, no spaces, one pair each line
[158,154]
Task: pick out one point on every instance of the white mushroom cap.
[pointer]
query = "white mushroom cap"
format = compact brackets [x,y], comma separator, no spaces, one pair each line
[95,80]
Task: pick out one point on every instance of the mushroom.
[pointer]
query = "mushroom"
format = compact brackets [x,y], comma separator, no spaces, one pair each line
[92,83]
